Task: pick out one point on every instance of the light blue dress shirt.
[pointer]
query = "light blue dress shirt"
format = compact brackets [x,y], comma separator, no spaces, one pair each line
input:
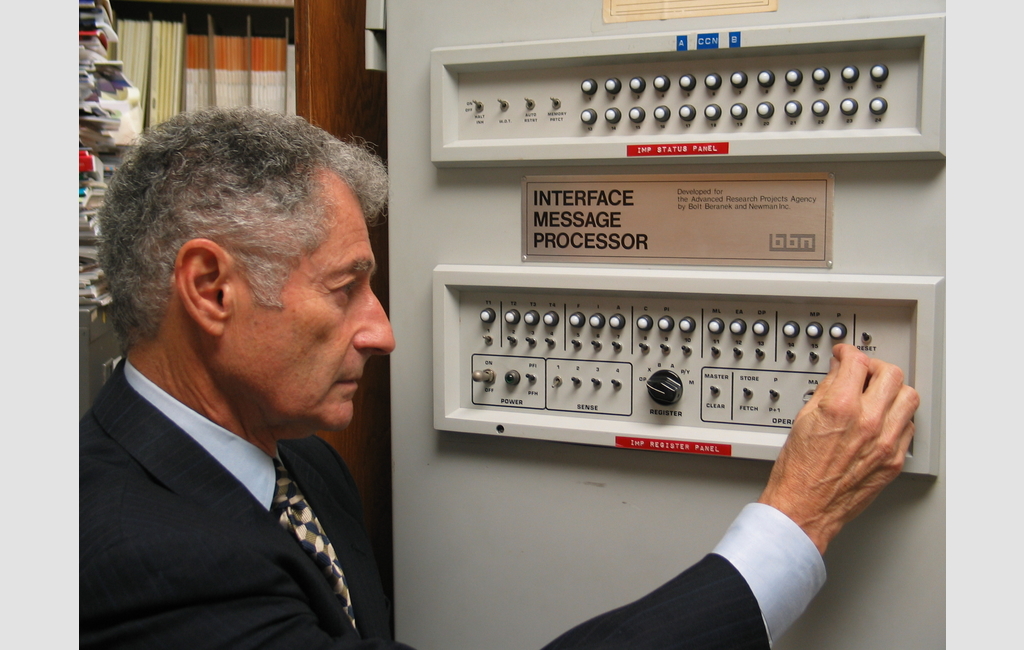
[245,461]
[779,562]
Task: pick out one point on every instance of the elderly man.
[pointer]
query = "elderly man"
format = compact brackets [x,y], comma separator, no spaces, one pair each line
[237,250]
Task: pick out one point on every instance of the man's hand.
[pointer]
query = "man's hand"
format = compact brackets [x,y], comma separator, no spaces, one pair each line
[848,442]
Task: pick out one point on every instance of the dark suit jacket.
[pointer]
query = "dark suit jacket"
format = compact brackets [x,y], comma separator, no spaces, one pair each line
[175,553]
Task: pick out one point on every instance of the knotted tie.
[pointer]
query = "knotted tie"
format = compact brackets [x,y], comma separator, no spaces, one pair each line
[296,517]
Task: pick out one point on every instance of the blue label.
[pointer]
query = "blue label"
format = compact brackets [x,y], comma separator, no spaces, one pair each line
[734,39]
[707,41]
[681,45]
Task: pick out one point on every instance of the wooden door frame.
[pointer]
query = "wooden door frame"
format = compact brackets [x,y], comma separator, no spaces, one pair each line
[335,92]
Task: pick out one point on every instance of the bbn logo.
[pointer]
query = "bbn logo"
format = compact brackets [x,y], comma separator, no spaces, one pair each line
[803,243]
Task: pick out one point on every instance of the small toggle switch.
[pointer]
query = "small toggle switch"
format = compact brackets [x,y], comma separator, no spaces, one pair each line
[486,376]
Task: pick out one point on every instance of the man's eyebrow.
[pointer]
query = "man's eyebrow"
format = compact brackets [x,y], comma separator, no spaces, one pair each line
[364,266]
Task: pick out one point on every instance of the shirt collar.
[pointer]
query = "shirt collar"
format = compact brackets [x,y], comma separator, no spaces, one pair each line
[245,461]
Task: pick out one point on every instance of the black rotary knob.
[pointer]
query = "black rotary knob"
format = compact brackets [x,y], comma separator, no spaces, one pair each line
[665,387]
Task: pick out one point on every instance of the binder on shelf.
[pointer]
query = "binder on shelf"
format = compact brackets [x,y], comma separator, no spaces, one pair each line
[177,71]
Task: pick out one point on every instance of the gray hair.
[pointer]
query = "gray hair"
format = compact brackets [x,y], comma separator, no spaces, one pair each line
[244,178]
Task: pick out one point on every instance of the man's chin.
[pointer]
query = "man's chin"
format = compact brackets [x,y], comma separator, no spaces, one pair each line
[338,419]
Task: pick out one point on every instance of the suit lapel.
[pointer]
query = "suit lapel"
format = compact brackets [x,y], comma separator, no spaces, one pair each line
[170,455]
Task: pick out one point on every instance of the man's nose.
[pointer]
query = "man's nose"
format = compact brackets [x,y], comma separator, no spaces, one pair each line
[376,337]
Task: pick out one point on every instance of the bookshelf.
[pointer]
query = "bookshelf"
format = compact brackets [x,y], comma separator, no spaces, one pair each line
[189,55]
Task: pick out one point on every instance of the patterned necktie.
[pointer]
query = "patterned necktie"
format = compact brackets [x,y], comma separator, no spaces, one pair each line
[297,518]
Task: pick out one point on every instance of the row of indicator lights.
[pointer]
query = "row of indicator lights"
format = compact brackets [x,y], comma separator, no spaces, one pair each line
[738,111]
[713,81]
[687,324]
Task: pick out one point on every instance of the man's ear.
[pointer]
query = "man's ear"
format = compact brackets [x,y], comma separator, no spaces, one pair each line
[207,282]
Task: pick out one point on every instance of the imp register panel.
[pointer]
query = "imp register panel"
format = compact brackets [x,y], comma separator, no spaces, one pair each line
[623,242]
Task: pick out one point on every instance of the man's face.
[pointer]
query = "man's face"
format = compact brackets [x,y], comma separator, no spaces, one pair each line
[298,366]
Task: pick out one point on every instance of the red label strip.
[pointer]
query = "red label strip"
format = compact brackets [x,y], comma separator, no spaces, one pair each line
[678,446]
[687,149]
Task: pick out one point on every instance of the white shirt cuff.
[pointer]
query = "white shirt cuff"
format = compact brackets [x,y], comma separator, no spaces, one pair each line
[780,563]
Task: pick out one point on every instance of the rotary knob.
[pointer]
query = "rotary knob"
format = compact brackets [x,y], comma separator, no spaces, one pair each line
[665,387]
